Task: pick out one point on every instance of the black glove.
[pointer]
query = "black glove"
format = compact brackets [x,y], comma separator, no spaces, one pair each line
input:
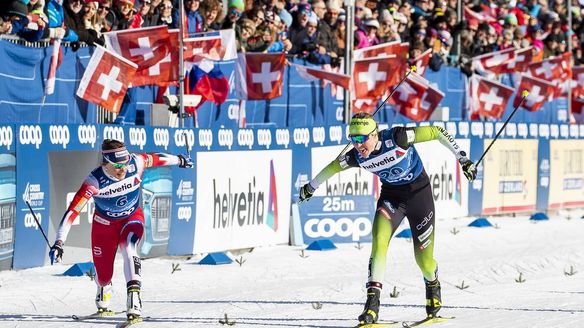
[306,192]
[56,252]
[468,168]
[185,162]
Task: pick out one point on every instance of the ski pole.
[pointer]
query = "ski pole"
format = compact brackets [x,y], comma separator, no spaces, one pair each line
[187,144]
[38,223]
[412,69]
[524,95]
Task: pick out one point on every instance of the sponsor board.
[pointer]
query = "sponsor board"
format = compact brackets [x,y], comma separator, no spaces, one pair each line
[510,176]
[566,183]
[242,208]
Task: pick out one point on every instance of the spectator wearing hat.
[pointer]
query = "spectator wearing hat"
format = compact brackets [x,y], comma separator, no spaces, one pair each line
[81,18]
[421,8]
[235,9]
[388,28]
[124,12]
[402,25]
[551,46]
[16,21]
[340,33]
[366,35]
[300,18]
[56,14]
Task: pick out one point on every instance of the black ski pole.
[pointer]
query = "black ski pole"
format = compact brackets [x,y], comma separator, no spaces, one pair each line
[187,144]
[524,95]
[38,223]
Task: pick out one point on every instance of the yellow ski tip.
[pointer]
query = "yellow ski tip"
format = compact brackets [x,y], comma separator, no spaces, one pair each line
[525,93]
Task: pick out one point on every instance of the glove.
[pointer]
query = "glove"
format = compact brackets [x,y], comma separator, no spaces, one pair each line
[56,252]
[185,162]
[468,168]
[306,192]
[56,32]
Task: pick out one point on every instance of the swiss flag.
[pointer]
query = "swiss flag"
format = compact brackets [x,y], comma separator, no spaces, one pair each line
[495,62]
[549,69]
[259,76]
[577,81]
[312,74]
[215,45]
[422,61]
[365,105]
[143,46]
[488,98]
[539,92]
[373,76]
[523,58]
[397,48]
[165,71]
[106,79]
[577,106]
[416,99]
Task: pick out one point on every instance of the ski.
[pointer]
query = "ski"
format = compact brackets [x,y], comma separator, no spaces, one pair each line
[380,324]
[130,322]
[426,321]
[98,314]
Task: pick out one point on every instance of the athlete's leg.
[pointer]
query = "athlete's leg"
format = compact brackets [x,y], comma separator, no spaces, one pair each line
[104,243]
[421,216]
[130,236]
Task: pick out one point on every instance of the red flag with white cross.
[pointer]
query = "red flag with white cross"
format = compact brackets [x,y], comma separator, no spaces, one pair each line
[416,99]
[495,62]
[578,81]
[144,46]
[106,79]
[215,45]
[488,98]
[165,71]
[548,69]
[372,77]
[539,92]
[259,76]
[522,60]
[422,62]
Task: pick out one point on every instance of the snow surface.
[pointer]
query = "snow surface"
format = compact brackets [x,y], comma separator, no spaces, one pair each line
[276,287]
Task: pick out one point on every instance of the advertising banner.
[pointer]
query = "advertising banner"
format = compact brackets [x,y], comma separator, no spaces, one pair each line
[243,199]
[510,176]
[566,174]
[7,196]
[543,163]
[341,219]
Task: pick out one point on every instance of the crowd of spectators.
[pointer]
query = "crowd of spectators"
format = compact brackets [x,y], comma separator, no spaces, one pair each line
[315,29]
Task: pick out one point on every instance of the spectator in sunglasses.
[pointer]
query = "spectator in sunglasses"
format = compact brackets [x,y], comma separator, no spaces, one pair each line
[166,14]
[104,16]
[234,10]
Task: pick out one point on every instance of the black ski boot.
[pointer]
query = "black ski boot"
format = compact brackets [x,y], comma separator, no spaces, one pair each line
[433,298]
[371,310]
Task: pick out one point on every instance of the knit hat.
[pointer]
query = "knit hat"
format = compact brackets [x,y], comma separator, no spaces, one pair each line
[362,126]
[237,4]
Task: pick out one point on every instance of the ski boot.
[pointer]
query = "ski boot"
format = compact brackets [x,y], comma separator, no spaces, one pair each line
[433,298]
[371,310]
[103,297]
[134,303]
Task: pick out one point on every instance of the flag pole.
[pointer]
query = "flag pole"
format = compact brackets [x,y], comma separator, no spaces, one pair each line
[181,65]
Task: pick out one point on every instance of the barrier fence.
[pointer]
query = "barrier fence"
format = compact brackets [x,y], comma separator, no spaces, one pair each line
[245,181]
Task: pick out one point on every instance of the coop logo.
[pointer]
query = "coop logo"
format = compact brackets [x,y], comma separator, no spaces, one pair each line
[185,213]
[114,132]
[265,138]
[161,138]
[205,138]
[185,190]
[245,137]
[282,137]
[544,131]
[6,137]
[533,129]
[121,213]
[522,130]
[138,137]
[59,135]
[564,131]
[476,129]
[511,130]
[30,222]
[463,129]
[225,138]
[33,194]
[318,135]
[181,141]
[336,134]
[87,135]
[233,111]
[342,227]
[301,137]
[30,135]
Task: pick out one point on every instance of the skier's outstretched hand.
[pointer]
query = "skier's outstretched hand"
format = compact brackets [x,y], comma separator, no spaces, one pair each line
[468,168]
[305,193]
[56,252]
[185,162]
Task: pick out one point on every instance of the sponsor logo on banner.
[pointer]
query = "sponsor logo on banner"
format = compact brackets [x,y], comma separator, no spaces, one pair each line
[463,129]
[30,135]
[138,137]
[185,190]
[318,135]
[301,137]
[510,187]
[87,135]
[343,227]
[233,109]
[30,222]
[245,137]
[544,131]
[114,132]
[445,186]
[336,134]
[225,138]
[522,130]
[185,213]
[205,138]
[282,137]
[265,138]
[33,194]
[179,138]
[476,129]
[6,137]
[59,135]
[161,138]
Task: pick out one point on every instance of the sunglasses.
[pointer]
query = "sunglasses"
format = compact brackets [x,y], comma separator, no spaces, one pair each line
[359,138]
[104,8]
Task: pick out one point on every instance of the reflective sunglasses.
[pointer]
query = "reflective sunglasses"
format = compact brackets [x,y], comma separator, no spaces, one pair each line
[119,166]
[359,138]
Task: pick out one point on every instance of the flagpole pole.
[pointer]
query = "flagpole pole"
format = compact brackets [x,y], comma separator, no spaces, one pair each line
[349,23]
[570,32]
[181,65]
